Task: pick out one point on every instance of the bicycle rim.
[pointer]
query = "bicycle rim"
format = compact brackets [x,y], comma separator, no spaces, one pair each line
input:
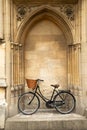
[28,103]
[67,102]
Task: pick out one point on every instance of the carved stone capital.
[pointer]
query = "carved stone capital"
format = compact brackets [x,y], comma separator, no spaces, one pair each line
[2,41]
[75,46]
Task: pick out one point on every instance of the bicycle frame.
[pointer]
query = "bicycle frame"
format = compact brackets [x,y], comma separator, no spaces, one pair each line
[42,96]
[59,100]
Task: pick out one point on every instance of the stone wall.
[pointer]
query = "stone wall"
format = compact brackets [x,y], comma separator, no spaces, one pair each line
[2,86]
[46,55]
[2,61]
[3,105]
[84,52]
[45,49]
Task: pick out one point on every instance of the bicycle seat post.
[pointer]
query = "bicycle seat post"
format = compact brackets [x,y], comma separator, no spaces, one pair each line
[53,93]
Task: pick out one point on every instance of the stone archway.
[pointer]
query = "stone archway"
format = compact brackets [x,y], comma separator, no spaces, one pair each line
[46,51]
[70,51]
[46,11]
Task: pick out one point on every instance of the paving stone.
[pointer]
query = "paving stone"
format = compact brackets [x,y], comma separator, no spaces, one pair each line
[47,120]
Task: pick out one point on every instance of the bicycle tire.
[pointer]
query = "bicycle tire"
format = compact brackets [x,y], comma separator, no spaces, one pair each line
[67,102]
[28,103]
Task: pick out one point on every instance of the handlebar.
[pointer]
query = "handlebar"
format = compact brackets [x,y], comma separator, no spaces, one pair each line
[40,80]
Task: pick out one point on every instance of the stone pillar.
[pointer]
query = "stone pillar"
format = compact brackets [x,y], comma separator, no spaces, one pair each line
[16,76]
[84,52]
[21,68]
[3,82]
[7,50]
[73,66]
[74,72]
[20,65]
[17,64]
[1,19]
[12,80]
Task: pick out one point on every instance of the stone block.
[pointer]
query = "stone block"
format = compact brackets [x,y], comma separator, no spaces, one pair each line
[47,120]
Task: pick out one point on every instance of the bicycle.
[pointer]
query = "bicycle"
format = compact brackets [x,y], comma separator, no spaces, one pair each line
[62,100]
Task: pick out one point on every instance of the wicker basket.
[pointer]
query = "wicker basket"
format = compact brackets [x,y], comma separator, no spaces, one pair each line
[31,83]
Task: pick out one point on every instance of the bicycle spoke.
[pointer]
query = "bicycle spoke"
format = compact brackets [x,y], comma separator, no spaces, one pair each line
[28,103]
[67,102]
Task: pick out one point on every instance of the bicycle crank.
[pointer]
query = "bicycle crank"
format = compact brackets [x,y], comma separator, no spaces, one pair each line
[50,104]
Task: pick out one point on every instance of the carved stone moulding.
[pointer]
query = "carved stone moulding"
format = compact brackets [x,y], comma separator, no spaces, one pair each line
[17,2]
[66,9]
[21,10]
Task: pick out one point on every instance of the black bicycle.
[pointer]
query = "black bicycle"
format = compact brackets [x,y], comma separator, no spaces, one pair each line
[62,100]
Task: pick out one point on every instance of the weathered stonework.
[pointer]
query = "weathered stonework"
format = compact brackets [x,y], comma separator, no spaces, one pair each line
[45,2]
[3,105]
[67,10]
[53,65]
[43,40]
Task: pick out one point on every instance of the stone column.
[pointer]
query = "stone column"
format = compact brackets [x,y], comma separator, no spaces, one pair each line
[73,66]
[7,53]
[1,19]
[15,67]
[22,66]
[12,70]
[21,73]
[84,51]
[3,80]
[74,72]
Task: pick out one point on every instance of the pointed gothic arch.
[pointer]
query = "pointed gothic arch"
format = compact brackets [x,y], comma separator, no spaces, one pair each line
[54,16]
[73,50]
[50,13]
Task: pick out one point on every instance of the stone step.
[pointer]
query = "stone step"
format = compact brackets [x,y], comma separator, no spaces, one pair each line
[47,120]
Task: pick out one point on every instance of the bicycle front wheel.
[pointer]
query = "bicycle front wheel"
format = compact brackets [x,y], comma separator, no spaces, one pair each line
[64,102]
[28,103]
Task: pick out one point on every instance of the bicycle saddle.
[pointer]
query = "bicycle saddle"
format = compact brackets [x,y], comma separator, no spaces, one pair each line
[55,86]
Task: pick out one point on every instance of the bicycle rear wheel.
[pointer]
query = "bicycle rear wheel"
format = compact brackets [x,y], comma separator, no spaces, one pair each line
[64,102]
[28,103]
